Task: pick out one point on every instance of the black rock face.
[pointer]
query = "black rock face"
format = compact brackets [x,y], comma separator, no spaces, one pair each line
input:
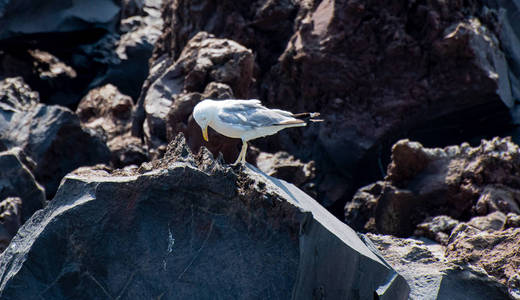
[187,227]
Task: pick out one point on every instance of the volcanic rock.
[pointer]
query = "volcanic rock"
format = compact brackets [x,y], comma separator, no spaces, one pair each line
[109,113]
[285,166]
[50,135]
[457,181]
[364,66]
[189,227]
[359,213]
[125,55]
[431,276]
[204,60]
[494,251]
[27,17]
[16,180]
[438,228]
[492,222]
[10,220]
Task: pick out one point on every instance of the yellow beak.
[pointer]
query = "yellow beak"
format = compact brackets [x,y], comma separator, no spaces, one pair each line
[205,133]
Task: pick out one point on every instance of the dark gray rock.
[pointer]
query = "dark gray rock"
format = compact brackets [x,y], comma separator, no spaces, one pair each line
[16,180]
[125,55]
[437,228]
[50,135]
[187,227]
[10,220]
[19,17]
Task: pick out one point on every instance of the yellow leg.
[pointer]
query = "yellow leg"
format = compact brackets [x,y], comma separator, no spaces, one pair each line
[242,156]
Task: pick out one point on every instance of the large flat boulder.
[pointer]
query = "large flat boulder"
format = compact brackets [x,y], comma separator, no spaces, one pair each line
[188,227]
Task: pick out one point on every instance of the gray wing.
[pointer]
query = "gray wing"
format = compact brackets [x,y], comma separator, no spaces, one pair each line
[252,114]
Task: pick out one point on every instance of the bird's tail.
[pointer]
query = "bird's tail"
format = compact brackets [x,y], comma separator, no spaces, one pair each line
[309,116]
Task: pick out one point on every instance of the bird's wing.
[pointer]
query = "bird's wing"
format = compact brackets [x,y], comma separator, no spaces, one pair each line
[251,114]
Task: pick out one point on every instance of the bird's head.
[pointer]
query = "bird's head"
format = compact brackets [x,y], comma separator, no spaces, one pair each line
[203,114]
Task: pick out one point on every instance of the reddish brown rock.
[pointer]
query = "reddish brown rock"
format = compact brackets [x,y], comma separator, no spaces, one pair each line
[207,67]
[492,222]
[108,112]
[375,72]
[457,181]
[494,251]
[285,166]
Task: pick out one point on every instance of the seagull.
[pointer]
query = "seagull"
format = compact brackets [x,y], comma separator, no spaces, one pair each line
[245,119]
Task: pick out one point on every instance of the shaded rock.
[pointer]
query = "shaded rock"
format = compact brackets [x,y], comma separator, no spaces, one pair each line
[204,60]
[431,276]
[125,55]
[359,93]
[16,180]
[437,228]
[364,66]
[285,166]
[14,93]
[157,230]
[109,113]
[492,222]
[51,136]
[456,181]
[106,110]
[10,220]
[514,286]
[55,16]
[127,150]
[359,213]
[505,15]
[180,120]
[498,197]
[265,26]
[512,220]
[54,79]
[494,251]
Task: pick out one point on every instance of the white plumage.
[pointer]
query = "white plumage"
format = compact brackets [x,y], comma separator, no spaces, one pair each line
[244,119]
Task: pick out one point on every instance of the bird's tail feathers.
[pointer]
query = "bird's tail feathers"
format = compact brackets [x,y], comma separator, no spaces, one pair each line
[309,116]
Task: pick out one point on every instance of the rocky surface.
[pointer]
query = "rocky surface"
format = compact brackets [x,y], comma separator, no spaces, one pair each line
[285,166]
[10,220]
[16,180]
[494,251]
[124,55]
[431,275]
[29,17]
[458,181]
[173,89]
[462,197]
[50,135]
[189,227]
[109,113]
[439,73]
[364,66]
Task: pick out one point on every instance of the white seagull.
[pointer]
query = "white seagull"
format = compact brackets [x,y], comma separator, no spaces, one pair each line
[245,119]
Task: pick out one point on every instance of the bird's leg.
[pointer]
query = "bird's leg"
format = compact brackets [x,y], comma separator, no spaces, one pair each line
[242,155]
[244,150]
